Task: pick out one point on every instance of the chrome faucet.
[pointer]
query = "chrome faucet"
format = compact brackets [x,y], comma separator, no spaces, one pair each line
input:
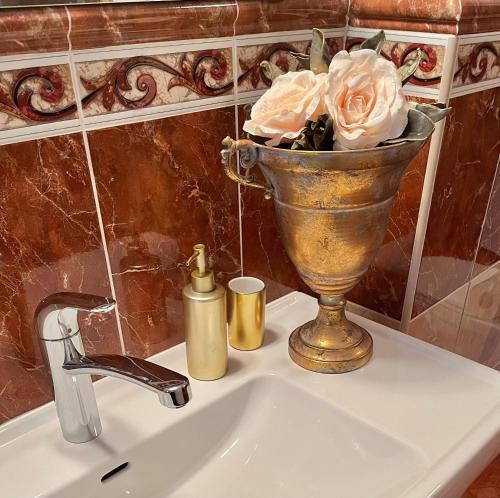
[56,323]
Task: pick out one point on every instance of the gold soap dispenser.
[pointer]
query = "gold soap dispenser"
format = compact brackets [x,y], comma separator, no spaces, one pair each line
[204,321]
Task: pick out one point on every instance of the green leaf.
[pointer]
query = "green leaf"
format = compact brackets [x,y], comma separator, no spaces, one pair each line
[316,135]
[376,42]
[272,71]
[320,53]
[419,128]
[303,59]
[248,109]
[435,111]
[407,70]
[302,142]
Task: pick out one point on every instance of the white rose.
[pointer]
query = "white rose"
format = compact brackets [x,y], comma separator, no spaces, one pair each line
[365,99]
[283,110]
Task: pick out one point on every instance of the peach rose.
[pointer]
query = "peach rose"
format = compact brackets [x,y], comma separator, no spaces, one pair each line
[365,99]
[283,110]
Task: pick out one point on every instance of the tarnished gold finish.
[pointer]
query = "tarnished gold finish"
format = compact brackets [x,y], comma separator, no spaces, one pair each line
[248,159]
[332,209]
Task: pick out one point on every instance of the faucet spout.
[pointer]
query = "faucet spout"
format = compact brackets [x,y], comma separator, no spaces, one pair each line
[56,322]
[172,388]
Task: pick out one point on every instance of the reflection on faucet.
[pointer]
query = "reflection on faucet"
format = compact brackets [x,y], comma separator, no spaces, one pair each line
[57,325]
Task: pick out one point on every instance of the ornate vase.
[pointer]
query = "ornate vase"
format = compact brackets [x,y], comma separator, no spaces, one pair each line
[333,209]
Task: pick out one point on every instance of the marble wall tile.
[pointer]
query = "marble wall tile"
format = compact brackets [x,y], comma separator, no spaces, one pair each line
[49,242]
[95,26]
[430,68]
[36,95]
[479,16]
[477,62]
[162,189]
[33,30]
[438,16]
[479,334]
[148,81]
[250,74]
[264,16]
[464,179]
[383,287]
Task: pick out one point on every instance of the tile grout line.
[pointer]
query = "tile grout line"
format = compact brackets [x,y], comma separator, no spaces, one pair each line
[428,187]
[76,90]
[236,129]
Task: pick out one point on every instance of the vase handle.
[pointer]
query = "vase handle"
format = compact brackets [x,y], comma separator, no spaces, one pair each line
[248,159]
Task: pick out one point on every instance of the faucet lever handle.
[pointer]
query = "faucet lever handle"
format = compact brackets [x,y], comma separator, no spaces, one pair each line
[49,322]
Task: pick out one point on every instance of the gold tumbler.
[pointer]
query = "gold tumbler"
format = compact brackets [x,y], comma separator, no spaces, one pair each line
[246,312]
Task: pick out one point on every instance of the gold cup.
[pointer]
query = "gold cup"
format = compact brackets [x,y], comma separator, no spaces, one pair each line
[246,312]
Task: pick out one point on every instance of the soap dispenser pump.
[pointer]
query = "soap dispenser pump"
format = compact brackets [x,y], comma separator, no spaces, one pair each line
[205,324]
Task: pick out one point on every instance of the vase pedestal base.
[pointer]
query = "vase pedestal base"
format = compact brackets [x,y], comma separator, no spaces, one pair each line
[330,343]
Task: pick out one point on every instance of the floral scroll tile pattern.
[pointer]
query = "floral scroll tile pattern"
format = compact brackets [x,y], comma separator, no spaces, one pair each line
[36,95]
[477,62]
[250,74]
[149,81]
[430,68]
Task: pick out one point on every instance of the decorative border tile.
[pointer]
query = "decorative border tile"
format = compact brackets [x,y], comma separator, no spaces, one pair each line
[149,81]
[36,95]
[477,62]
[250,74]
[430,69]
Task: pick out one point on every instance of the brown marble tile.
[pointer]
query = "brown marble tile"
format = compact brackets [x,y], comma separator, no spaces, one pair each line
[464,178]
[49,242]
[479,334]
[162,189]
[32,30]
[487,485]
[383,287]
[264,16]
[437,16]
[96,26]
[479,16]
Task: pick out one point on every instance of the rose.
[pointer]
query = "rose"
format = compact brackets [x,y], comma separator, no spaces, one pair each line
[283,110]
[365,99]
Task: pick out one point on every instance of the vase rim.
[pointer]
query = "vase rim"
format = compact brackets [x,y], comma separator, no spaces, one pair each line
[340,152]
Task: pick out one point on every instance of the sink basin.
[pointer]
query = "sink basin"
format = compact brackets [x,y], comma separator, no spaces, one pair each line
[268,438]
[415,422]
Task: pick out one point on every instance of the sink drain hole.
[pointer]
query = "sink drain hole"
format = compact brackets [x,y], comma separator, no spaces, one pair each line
[113,472]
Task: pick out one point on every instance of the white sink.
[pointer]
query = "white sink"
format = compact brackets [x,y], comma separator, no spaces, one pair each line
[415,422]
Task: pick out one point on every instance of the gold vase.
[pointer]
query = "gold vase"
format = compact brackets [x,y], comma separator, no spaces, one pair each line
[332,209]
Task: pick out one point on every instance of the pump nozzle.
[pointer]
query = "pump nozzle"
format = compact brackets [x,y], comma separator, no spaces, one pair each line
[199,256]
[201,278]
